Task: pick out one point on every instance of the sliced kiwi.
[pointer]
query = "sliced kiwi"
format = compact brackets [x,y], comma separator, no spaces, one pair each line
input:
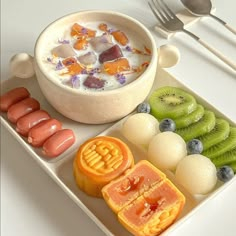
[222,147]
[225,158]
[171,102]
[201,127]
[219,133]
[193,117]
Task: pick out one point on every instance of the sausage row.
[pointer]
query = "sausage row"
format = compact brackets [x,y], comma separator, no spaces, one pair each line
[40,129]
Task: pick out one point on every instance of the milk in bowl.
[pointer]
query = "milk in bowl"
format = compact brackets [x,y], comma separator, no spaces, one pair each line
[95,66]
[82,55]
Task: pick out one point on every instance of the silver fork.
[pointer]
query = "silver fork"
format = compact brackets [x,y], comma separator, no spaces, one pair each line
[172,23]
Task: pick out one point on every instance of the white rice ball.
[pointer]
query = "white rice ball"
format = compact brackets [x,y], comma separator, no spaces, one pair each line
[197,174]
[140,128]
[166,150]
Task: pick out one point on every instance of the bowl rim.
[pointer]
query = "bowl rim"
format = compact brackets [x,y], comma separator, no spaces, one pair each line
[153,61]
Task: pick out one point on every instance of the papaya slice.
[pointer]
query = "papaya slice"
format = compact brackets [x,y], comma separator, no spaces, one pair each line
[120,37]
[117,66]
[79,30]
[74,69]
[69,61]
[81,43]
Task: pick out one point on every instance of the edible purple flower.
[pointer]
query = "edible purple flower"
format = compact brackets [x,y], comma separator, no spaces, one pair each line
[94,71]
[128,48]
[84,30]
[63,41]
[84,72]
[121,78]
[75,81]
[110,31]
[59,65]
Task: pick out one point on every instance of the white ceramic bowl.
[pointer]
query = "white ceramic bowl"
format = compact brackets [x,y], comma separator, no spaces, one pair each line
[96,107]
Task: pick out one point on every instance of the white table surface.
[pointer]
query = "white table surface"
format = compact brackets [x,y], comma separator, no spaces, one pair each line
[31,202]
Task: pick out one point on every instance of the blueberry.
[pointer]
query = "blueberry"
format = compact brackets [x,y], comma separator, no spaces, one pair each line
[194,146]
[144,107]
[167,125]
[225,173]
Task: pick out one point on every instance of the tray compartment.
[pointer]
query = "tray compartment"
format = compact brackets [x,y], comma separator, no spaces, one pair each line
[61,168]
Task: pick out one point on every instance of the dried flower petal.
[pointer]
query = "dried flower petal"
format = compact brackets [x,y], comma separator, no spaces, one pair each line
[93,71]
[84,72]
[63,41]
[121,78]
[59,65]
[128,48]
[75,81]
[110,31]
[84,31]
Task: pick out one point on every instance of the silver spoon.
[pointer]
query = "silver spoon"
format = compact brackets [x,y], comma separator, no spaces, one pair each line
[203,8]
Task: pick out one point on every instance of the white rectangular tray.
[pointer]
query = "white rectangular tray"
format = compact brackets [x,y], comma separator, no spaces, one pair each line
[60,169]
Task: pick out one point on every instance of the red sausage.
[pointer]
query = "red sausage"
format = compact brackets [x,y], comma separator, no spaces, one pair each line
[42,131]
[13,96]
[25,123]
[22,108]
[58,143]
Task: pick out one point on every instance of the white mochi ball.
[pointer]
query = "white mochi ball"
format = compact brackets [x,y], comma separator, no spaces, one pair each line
[140,128]
[166,150]
[197,174]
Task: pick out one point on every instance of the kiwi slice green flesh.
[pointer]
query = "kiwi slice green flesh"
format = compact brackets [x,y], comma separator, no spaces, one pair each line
[201,127]
[222,147]
[171,102]
[193,117]
[219,133]
[225,158]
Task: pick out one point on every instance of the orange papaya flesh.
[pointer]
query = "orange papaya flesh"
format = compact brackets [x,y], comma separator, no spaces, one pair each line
[79,30]
[81,43]
[120,37]
[117,66]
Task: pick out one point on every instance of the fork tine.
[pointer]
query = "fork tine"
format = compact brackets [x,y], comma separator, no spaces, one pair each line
[155,12]
[160,11]
[168,10]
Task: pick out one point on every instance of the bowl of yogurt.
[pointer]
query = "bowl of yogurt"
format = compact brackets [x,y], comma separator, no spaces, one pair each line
[95,67]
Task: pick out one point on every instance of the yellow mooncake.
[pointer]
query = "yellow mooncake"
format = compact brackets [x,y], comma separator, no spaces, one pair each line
[100,160]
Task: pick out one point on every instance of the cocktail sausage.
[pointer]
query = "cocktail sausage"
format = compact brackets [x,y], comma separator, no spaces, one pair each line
[25,123]
[22,108]
[42,131]
[13,96]
[58,143]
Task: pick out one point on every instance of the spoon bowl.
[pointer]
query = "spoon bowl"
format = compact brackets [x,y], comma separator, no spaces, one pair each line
[203,8]
[198,7]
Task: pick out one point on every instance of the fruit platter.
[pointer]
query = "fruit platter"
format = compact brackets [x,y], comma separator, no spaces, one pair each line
[171,136]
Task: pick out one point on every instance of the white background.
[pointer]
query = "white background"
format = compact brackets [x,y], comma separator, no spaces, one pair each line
[31,203]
